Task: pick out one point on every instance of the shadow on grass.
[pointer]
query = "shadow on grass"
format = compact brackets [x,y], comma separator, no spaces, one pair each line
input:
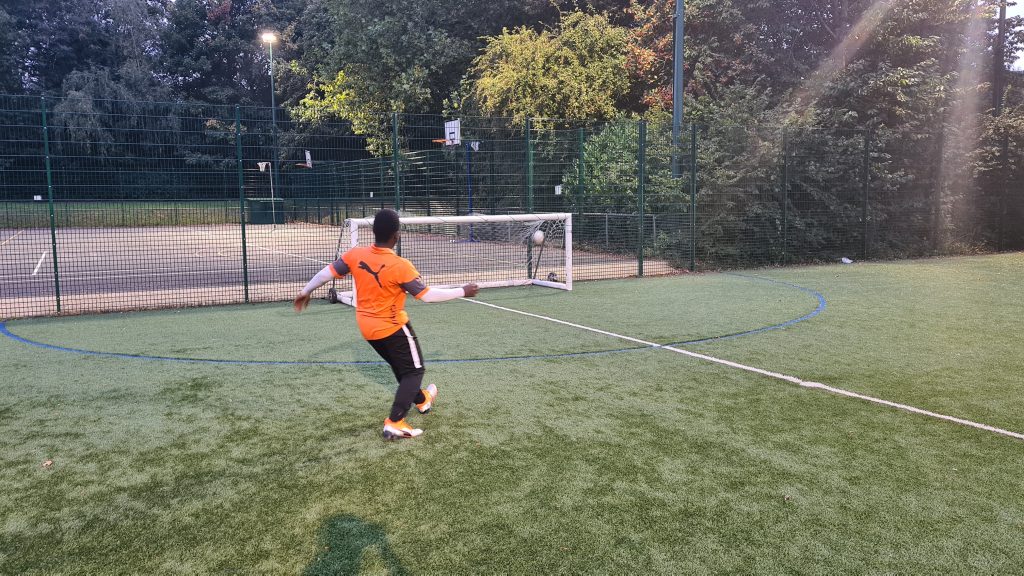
[344,540]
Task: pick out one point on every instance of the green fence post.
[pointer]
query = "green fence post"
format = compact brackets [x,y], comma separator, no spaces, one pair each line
[866,181]
[396,161]
[693,197]
[936,201]
[1004,196]
[362,181]
[493,189]
[529,165]
[641,177]
[785,193]
[529,191]
[241,200]
[49,195]
[431,183]
[581,175]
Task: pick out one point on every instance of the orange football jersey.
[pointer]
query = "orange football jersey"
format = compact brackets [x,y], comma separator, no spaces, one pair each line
[381,279]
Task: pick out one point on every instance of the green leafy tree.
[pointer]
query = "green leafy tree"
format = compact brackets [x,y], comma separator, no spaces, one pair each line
[727,45]
[212,51]
[57,38]
[10,63]
[574,72]
[367,59]
[903,69]
[906,78]
[49,40]
[737,167]
[998,166]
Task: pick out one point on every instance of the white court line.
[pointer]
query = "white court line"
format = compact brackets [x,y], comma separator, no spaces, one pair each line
[292,255]
[141,274]
[770,374]
[11,238]
[41,258]
[219,253]
[499,261]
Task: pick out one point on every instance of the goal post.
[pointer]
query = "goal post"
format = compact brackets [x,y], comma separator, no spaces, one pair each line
[491,250]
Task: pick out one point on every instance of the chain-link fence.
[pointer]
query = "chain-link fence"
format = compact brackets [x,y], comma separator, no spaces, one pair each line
[108,205]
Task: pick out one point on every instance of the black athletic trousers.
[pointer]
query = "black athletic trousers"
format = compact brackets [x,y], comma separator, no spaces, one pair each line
[402,352]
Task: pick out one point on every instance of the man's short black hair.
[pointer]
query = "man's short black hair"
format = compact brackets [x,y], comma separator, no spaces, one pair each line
[385,224]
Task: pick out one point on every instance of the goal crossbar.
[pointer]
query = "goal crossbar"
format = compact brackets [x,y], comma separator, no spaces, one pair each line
[470,219]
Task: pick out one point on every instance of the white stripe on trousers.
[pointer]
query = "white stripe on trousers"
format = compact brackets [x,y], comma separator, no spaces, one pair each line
[413,348]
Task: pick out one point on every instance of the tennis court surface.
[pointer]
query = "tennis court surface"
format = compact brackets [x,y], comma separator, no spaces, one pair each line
[570,435]
[119,269]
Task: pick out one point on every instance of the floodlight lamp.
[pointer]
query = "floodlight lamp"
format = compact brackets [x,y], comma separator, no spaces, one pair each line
[269,37]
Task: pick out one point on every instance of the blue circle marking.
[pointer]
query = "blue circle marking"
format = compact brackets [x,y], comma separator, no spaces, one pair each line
[822,304]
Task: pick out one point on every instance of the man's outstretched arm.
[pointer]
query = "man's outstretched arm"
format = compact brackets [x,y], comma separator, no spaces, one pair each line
[329,272]
[444,294]
[431,295]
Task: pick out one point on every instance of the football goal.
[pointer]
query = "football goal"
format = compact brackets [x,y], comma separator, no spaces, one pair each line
[491,250]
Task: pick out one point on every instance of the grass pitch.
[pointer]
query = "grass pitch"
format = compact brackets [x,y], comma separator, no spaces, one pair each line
[635,461]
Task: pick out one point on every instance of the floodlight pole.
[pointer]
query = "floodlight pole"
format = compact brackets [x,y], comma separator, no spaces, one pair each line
[679,42]
[999,55]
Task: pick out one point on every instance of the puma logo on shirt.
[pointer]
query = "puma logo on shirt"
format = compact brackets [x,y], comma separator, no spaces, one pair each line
[365,266]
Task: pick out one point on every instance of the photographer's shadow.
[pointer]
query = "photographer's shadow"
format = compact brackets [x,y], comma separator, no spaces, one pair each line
[344,540]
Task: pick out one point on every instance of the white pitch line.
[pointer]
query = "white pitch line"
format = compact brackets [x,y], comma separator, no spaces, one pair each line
[770,374]
[41,258]
[2,244]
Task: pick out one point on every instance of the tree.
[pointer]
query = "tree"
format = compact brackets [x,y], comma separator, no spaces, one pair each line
[574,72]
[908,77]
[10,64]
[649,56]
[50,40]
[724,48]
[367,59]
[57,38]
[212,51]
[908,70]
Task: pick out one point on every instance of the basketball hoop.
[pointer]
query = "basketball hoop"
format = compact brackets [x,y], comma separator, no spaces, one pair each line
[453,131]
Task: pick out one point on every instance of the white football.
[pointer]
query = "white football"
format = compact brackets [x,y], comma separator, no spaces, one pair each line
[538,237]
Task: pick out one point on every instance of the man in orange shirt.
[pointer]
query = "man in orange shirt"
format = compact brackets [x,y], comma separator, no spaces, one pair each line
[382,278]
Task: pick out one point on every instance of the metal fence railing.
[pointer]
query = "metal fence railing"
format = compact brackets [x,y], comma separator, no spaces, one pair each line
[108,205]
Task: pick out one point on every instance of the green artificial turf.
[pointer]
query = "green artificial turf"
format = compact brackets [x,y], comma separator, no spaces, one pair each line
[642,461]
